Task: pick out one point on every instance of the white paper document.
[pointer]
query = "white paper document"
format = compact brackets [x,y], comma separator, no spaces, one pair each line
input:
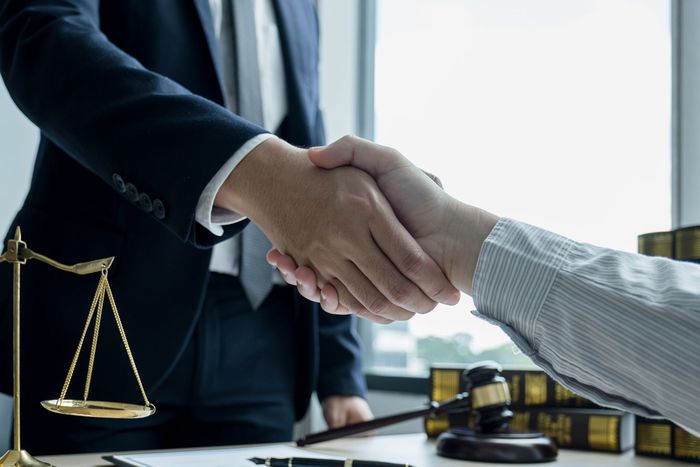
[225,457]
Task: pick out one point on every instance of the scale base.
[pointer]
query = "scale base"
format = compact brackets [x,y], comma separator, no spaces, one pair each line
[14,458]
[509,448]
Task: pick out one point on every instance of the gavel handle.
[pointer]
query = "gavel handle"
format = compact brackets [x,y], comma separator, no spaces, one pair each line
[361,427]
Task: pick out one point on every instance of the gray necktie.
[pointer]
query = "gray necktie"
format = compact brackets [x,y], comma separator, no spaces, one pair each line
[255,273]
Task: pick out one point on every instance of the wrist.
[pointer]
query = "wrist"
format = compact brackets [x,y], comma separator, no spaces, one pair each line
[251,185]
[467,229]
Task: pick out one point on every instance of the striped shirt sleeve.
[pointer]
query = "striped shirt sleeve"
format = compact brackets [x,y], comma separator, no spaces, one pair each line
[618,328]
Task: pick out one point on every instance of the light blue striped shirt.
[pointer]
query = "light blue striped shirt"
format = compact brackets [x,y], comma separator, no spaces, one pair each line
[618,328]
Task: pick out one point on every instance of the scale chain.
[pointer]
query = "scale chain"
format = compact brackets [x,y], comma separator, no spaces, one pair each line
[99,292]
[126,343]
[96,332]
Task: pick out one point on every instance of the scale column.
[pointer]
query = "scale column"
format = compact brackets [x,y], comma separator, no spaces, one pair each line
[16,251]
[15,364]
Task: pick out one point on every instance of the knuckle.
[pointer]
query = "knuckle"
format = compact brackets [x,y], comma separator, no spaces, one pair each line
[400,292]
[394,153]
[439,292]
[379,305]
[414,263]
[429,308]
[360,204]
[348,139]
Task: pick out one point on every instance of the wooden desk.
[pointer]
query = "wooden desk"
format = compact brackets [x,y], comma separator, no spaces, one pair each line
[417,450]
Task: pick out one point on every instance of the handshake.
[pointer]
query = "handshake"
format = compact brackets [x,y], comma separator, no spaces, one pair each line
[358,228]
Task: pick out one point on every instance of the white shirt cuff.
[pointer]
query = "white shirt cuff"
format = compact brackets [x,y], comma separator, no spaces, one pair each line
[214,218]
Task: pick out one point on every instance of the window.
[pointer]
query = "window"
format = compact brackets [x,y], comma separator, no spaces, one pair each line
[554,113]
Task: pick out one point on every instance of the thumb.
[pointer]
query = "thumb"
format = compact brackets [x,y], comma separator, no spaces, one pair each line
[331,156]
[372,158]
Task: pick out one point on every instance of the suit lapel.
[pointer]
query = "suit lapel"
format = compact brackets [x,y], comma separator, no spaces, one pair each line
[205,19]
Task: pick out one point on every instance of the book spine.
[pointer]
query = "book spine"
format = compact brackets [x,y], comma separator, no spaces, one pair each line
[444,384]
[656,244]
[532,388]
[574,429]
[687,244]
[685,445]
[662,438]
[653,438]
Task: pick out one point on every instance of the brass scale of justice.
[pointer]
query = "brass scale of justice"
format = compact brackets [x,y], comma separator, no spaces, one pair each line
[18,254]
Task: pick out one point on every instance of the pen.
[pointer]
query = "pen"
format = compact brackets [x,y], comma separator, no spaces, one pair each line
[307,462]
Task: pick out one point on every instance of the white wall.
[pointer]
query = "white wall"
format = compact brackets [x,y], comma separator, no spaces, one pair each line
[18,142]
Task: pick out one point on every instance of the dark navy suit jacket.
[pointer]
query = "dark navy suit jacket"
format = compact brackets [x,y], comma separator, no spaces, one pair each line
[127,96]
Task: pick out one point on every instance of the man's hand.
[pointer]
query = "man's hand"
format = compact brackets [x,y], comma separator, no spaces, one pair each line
[449,231]
[345,410]
[341,226]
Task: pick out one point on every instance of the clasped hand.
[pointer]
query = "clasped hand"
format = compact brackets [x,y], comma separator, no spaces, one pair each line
[341,228]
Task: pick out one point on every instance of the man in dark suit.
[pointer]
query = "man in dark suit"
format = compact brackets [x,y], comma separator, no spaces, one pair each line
[138,150]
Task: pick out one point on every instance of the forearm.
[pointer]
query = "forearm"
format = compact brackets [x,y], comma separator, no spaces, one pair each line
[597,320]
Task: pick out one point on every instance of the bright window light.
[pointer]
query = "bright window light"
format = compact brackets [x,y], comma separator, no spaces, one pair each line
[556,113]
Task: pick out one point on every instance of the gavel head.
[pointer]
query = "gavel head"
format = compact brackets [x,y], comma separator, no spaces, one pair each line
[490,397]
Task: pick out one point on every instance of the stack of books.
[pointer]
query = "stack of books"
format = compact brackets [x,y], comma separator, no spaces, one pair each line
[540,404]
[661,438]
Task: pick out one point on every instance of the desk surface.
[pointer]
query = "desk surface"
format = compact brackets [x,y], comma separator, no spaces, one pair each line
[414,449]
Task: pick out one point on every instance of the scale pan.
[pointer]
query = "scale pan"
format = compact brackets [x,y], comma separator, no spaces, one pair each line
[99,409]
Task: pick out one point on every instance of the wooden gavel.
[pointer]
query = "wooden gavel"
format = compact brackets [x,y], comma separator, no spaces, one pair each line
[460,403]
[488,397]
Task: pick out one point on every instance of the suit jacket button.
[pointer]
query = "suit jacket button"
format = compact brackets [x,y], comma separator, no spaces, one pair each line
[119,183]
[158,209]
[145,202]
[132,194]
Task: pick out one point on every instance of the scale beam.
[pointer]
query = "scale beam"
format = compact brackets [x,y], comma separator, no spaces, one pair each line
[82,269]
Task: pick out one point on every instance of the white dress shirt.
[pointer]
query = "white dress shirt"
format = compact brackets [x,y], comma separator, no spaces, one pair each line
[274,103]
[621,329]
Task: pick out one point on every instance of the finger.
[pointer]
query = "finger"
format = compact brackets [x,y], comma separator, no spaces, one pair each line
[273,256]
[330,302]
[336,418]
[408,256]
[313,295]
[390,282]
[369,297]
[350,304]
[372,158]
[285,264]
[306,284]
[307,278]
[329,299]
